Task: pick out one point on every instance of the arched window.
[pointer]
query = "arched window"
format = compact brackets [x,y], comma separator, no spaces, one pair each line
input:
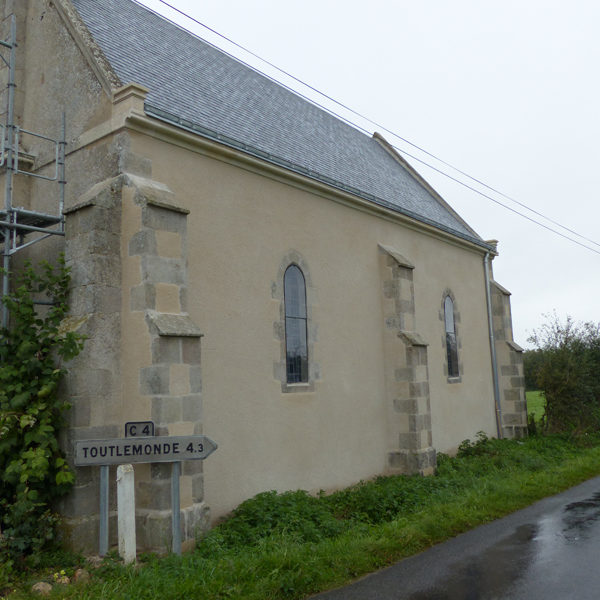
[451,346]
[296,343]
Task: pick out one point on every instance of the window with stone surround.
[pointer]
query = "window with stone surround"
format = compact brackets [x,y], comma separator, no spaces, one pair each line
[451,342]
[296,334]
[296,331]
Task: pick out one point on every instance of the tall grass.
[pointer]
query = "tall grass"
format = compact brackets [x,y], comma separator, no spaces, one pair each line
[290,545]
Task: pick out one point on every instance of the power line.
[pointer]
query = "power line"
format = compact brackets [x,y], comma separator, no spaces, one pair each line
[402,151]
[501,203]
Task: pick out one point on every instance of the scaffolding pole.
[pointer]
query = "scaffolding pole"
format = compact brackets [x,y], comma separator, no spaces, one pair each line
[16,223]
[8,184]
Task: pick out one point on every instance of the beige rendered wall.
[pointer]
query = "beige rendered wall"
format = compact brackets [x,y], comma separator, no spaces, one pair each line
[241,227]
[242,230]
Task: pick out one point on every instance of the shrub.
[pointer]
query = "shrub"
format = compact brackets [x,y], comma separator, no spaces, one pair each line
[382,499]
[295,514]
[569,374]
[33,471]
[532,361]
[482,445]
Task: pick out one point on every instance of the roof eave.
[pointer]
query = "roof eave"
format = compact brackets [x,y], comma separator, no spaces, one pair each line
[257,154]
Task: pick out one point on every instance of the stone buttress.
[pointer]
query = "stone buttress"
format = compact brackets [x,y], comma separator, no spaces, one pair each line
[509,356]
[406,371]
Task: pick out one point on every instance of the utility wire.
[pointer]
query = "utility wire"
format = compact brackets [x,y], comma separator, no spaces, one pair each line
[383,128]
[501,203]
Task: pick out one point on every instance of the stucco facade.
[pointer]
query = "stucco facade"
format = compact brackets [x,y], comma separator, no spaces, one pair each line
[178,246]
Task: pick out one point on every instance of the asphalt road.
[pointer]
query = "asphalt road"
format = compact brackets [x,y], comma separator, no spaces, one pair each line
[550,551]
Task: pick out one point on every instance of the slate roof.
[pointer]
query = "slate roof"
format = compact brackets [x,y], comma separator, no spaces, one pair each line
[195,85]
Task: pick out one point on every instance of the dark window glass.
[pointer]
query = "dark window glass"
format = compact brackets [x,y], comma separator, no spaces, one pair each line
[296,343]
[451,346]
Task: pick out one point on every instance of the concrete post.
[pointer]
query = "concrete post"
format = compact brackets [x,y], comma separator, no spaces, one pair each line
[126,513]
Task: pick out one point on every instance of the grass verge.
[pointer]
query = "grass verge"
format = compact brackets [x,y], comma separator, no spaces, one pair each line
[280,546]
[536,405]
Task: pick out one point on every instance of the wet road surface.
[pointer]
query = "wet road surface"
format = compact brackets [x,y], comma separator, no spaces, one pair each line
[550,551]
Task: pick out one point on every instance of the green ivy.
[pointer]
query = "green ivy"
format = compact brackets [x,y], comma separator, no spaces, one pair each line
[33,470]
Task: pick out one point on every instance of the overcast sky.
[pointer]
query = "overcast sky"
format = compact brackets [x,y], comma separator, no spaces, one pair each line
[506,91]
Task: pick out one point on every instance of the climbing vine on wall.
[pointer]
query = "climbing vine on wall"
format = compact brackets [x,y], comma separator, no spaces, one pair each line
[33,470]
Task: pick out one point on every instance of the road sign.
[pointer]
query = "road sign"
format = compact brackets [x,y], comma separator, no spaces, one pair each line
[143,450]
[139,429]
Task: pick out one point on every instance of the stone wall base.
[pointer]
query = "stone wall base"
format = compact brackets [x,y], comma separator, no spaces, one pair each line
[514,432]
[153,530]
[401,462]
[153,527]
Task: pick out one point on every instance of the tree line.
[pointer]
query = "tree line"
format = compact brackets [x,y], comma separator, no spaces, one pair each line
[565,366]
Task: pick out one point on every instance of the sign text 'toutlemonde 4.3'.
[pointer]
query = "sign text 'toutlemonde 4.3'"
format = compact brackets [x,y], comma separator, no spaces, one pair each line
[143,450]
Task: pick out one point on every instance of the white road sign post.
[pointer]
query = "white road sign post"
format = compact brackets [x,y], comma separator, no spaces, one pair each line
[126,513]
[142,449]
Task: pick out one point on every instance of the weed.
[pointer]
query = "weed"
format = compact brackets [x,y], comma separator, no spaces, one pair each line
[297,514]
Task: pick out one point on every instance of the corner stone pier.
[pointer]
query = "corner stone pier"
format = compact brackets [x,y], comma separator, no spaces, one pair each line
[126,246]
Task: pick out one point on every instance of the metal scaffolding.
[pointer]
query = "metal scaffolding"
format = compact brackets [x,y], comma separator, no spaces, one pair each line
[16,223]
